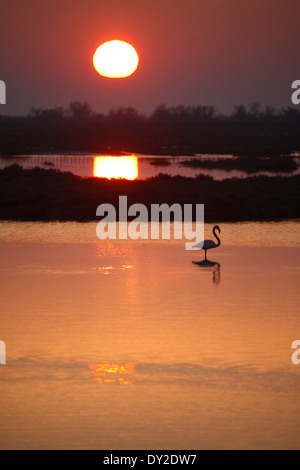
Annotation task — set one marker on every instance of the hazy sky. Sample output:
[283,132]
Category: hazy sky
[218,52]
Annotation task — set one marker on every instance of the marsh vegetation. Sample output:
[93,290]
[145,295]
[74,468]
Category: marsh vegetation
[47,194]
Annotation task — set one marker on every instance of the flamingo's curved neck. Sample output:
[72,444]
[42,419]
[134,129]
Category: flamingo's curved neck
[216,236]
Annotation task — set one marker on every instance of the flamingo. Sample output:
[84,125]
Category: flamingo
[209,244]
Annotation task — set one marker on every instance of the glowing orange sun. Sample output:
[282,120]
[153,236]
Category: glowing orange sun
[116,59]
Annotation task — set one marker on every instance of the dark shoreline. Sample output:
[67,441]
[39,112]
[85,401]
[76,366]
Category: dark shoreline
[49,195]
[247,164]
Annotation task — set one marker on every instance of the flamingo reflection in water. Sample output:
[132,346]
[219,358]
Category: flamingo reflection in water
[212,266]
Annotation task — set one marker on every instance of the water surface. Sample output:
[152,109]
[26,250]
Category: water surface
[132,166]
[129,345]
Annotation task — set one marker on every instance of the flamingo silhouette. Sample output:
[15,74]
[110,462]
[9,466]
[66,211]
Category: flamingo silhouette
[209,244]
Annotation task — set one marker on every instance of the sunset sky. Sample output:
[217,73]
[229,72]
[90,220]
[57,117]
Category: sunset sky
[213,52]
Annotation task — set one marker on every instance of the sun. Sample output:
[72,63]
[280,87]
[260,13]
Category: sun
[116,59]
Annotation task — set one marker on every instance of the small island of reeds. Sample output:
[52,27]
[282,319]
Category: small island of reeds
[47,195]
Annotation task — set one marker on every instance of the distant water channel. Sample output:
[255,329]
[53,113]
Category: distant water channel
[129,166]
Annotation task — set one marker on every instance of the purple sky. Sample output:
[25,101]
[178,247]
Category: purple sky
[216,52]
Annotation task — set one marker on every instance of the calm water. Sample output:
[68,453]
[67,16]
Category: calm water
[129,345]
[131,166]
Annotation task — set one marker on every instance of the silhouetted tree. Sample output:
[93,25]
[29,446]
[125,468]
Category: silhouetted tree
[78,110]
[205,113]
[183,113]
[291,114]
[124,115]
[160,113]
[47,114]
[254,112]
[269,113]
[239,112]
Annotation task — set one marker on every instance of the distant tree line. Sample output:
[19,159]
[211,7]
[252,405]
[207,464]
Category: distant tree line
[175,130]
[196,113]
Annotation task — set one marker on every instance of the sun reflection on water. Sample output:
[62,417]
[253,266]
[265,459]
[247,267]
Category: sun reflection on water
[116,167]
[112,373]
[110,269]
